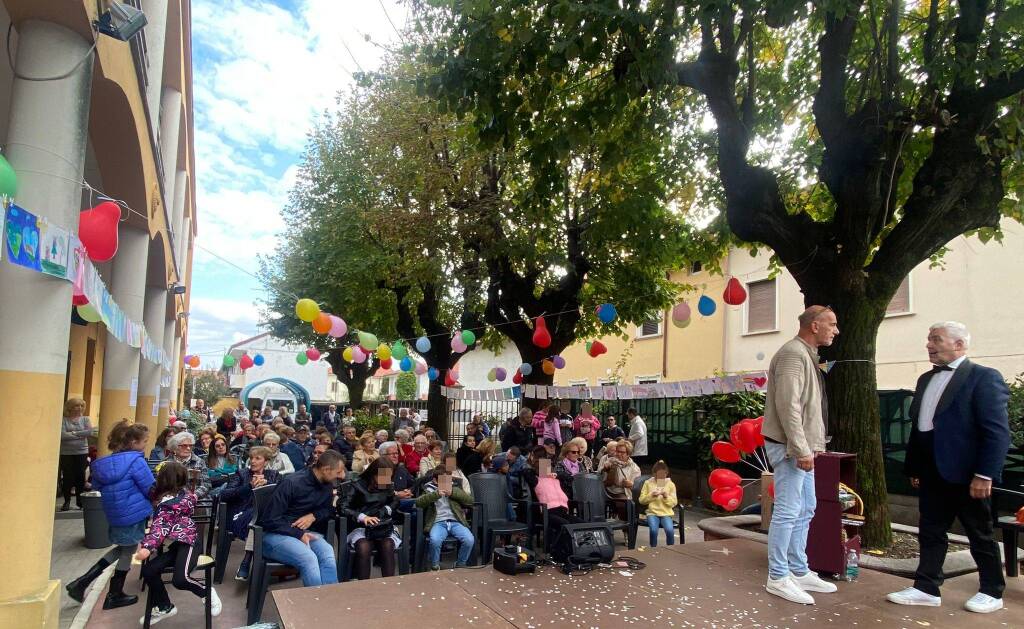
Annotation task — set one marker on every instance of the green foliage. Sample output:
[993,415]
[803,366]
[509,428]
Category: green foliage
[209,386]
[364,421]
[405,386]
[1016,411]
[720,413]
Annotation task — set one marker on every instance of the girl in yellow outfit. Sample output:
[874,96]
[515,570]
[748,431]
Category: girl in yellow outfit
[659,496]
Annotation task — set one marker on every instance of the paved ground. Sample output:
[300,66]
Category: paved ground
[69,559]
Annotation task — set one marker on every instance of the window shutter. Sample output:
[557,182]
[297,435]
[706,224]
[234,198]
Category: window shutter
[761,306]
[900,302]
[651,328]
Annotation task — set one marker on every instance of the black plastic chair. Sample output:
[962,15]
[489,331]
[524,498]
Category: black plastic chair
[344,553]
[450,544]
[261,565]
[593,505]
[204,563]
[490,502]
[638,510]
[224,540]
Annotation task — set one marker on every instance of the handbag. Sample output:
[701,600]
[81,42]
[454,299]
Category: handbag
[382,530]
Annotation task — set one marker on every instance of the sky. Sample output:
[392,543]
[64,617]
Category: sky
[263,72]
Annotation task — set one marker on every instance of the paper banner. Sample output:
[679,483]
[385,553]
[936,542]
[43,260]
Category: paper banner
[542,392]
[530,390]
[609,391]
[624,392]
[54,249]
[22,235]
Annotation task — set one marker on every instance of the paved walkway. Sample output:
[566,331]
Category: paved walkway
[69,558]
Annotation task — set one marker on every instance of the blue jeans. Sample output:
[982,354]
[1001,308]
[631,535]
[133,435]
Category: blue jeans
[315,562]
[440,532]
[794,508]
[665,522]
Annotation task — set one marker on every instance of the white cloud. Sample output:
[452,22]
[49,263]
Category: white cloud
[262,76]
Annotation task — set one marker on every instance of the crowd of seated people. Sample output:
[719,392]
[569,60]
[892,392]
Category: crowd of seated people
[392,474]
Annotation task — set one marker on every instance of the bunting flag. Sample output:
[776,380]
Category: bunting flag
[752,382]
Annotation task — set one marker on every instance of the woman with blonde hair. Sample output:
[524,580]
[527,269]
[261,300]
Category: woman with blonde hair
[619,471]
[75,430]
[366,454]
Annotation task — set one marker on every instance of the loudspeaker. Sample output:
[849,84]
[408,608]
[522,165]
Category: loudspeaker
[584,543]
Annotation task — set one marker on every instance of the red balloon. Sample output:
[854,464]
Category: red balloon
[541,336]
[747,437]
[734,435]
[313,353]
[759,423]
[722,477]
[245,362]
[518,378]
[449,381]
[597,348]
[734,294]
[385,364]
[725,452]
[729,498]
[97,229]
[79,300]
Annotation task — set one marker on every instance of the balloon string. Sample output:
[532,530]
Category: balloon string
[742,460]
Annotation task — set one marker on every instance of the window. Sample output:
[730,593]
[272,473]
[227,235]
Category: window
[649,328]
[579,383]
[761,306]
[900,302]
[603,382]
[696,268]
[648,379]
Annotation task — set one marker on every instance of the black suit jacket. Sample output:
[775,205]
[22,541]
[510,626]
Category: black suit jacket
[972,429]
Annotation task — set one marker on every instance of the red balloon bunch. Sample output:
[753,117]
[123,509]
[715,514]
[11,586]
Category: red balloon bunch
[745,438]
[245,362]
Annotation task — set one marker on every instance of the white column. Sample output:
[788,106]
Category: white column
[176,214]
[170,122]
[156,34]
[120,360]
[166,395]
[175,372]
[154,315]
[46,140]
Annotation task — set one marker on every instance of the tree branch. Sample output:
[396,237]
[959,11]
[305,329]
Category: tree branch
[830,101]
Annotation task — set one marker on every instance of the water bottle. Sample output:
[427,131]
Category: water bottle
[852,570]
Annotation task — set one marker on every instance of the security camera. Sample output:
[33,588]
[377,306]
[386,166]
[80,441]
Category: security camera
[121,22]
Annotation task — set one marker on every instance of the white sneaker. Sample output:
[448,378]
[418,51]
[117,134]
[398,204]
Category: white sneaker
[914,596]
[811,582]
[983,604]
[788,589]
[215,605]
[158,614]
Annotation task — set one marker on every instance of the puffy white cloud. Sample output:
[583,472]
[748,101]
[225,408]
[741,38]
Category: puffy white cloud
[262,75]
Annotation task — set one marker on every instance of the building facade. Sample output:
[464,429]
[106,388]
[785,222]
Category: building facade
[279,362]
[77,108]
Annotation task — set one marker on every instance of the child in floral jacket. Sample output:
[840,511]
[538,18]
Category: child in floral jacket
[172,523]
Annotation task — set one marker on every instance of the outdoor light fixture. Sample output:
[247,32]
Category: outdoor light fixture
[121,22]
[176,288]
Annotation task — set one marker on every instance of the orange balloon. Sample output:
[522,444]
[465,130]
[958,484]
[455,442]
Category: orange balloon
[322,323]
[548,367]
[193,361]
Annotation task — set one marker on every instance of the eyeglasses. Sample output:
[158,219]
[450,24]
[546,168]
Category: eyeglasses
[572,451]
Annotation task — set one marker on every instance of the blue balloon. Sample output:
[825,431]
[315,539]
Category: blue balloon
[258,360]
[526,369]
[606,313]
[432,373]
[423,345]
[706,306]
[405,364]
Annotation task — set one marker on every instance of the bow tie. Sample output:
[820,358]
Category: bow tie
[938,368]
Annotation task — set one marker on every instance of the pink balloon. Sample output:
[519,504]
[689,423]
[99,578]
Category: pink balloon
[457,345]
[358,355]
[338,327]
[420,368]
[313,353]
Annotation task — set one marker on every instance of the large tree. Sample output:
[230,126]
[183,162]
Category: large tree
[855,138]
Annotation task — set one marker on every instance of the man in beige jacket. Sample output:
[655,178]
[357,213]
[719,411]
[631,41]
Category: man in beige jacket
[795,413]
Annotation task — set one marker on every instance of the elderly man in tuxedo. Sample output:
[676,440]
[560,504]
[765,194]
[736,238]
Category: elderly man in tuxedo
[957,448]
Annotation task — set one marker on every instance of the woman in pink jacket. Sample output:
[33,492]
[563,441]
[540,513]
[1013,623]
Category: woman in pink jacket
[586,426]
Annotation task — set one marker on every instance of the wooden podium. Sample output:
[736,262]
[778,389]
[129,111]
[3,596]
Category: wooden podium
[833,531]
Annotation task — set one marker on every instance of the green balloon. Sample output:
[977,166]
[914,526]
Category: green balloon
[301,358]
[468,337]
[229,361]
[398,350]
[8,179]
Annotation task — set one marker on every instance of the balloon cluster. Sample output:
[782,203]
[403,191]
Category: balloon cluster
[745,438]
[192,361]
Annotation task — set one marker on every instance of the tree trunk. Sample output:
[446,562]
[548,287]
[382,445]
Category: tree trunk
[437,409]
[534,355]
[854,420]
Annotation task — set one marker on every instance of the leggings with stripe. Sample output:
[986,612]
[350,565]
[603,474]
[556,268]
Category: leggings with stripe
[183,557]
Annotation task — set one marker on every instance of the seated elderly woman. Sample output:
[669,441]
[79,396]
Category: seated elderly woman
[366,454]
[370,505]
[277,460]
[619,471]
[572,463]
[381,436]
[238,497]
[181,446]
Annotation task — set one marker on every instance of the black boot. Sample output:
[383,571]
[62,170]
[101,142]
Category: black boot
[116,596]
[76,589]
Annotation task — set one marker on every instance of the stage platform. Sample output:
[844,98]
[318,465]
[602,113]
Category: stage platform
[709,584]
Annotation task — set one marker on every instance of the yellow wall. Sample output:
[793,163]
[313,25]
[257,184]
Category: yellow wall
[80,335]
[692,352]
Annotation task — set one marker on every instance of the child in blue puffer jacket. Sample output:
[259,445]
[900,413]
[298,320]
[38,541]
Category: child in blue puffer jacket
[124,481]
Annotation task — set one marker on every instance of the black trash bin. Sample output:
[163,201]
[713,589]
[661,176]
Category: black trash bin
[96,533]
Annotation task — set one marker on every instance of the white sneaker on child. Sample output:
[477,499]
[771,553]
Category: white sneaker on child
[215,605]
[158,614]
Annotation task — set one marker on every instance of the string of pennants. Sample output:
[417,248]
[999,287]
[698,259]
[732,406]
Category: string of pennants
[753,382]
[36,244]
